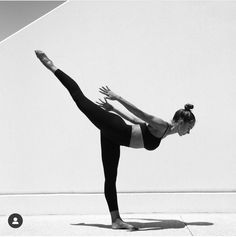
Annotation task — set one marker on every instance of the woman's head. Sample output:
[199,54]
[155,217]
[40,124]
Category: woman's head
[185,119]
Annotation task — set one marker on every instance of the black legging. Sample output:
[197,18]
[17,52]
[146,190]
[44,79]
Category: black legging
[114,132]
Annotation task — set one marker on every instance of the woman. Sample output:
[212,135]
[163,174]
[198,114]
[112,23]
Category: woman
[147,131]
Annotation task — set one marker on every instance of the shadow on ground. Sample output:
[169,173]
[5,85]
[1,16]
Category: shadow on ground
[152,224]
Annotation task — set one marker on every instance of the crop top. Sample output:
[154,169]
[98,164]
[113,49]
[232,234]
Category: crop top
[150,141]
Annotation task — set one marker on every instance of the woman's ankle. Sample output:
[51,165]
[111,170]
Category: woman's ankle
[115,215]
[53,68]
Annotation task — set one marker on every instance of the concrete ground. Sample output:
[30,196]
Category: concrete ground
[157,224]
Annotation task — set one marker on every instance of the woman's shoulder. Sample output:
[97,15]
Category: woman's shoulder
[158,123]
[160,129]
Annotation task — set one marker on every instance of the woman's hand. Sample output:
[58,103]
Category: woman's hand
[105,105]
[110,94]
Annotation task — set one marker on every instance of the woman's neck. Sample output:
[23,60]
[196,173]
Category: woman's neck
[173,128]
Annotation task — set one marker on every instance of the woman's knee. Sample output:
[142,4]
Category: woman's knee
[110,184]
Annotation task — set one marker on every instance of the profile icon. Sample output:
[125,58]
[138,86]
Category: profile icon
[15,220]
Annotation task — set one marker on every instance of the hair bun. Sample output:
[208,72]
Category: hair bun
[188,107]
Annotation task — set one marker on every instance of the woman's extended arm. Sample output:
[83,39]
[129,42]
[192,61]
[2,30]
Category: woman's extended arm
[105,105]
[132,119]
[150,119]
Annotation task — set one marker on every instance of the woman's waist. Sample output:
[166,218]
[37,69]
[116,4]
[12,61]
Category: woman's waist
[136,140]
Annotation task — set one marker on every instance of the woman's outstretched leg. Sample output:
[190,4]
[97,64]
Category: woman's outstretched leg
[110,159]
[103,120]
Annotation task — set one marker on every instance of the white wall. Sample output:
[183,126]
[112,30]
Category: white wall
[157,55]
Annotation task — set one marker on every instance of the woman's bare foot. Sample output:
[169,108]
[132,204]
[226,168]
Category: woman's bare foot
[120,224]
[45,60]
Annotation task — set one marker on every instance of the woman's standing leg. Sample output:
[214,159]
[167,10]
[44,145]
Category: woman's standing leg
[110,159]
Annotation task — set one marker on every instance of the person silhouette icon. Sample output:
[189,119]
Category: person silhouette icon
[15,221]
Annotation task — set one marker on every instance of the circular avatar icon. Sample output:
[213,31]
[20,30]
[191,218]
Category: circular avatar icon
[15,220]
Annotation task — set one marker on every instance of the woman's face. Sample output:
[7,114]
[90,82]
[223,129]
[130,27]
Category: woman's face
[184,128]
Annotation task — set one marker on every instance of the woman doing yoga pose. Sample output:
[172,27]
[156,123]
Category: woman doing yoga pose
[147,131]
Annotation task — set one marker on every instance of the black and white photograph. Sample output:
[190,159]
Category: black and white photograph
[117,118]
